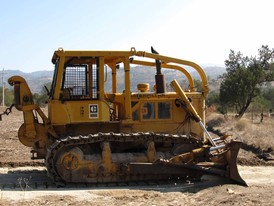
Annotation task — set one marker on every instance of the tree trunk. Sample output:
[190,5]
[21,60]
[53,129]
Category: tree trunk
[243,109]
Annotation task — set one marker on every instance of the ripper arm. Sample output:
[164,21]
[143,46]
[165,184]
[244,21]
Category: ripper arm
[31,131]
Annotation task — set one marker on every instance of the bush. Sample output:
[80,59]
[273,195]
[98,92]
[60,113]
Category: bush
[215,120]
[241,125]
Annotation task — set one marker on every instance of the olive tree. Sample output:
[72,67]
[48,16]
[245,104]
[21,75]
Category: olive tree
[243,79]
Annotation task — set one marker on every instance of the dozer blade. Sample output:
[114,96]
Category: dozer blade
[231,149]
[231,157]
[226,166]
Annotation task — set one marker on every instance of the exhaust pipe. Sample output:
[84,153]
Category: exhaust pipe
[159,77]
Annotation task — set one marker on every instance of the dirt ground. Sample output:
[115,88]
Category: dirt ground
[25,182]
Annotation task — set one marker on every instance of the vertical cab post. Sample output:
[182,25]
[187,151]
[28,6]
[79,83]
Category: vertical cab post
[128,114]
[100,67]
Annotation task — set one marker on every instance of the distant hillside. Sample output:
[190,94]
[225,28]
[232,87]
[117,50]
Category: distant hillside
[38,79]
[141,74]
[214,72]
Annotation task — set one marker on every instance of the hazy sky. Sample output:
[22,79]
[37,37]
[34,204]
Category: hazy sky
[202,31]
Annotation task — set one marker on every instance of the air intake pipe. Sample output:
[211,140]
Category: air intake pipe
[159,77]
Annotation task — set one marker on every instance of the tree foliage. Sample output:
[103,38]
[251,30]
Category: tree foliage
[41,97]
[198,85]
[267,99]
[243,79]
[213,98]
[8,96]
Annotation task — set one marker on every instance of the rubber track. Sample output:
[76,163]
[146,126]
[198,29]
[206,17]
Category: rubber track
[110,137]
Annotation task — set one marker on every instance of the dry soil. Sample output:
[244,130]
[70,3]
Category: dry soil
[25,182]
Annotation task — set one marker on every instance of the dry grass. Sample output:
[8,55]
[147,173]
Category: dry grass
[251,132]
[259,134]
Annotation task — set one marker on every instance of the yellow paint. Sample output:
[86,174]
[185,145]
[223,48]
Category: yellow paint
[124,111]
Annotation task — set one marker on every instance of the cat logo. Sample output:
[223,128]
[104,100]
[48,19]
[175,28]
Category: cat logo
[93,111]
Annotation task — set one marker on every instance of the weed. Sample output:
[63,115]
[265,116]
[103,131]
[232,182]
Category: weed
[24,183]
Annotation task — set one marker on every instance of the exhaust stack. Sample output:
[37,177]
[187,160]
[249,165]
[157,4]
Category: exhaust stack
[159,77]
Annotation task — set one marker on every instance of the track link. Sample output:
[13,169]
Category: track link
[110,137]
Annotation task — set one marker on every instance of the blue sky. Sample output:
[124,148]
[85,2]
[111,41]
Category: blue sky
[196,30]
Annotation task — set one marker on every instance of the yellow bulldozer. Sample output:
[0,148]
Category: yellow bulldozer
[92,135]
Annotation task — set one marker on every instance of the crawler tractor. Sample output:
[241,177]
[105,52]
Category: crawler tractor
[92,135]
